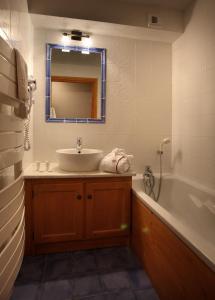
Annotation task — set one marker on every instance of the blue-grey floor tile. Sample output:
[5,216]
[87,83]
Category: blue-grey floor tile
[84,286]
[146,294]
[58,267]
[95,297]
[31,270]
[117,280]
[121,295]
[83,262]
[139,279]
[58,256]
[108,250]
[99,274]
[26,292]
[126,258]
[115,259]
[56,290]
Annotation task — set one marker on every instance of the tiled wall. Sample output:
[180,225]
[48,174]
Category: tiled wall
[194,96]
[138,101]
[16,28]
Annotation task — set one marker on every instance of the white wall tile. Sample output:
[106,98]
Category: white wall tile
[132,97]
[193,114]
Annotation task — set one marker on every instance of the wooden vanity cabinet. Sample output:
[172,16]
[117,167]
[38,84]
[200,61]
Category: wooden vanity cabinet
[67,214]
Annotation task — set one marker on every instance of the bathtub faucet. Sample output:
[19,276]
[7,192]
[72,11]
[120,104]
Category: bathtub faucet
[149,181]
[79,144]
[147,172]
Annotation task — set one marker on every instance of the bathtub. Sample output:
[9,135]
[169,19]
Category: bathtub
[188,210]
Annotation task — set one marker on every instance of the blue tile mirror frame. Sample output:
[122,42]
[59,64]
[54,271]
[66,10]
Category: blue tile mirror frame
[101,98]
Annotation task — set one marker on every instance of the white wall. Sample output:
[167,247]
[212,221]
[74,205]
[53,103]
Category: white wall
[194,96]
[138,101]
[16,28]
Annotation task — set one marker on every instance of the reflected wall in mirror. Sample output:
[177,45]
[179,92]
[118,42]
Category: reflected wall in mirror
[75,84]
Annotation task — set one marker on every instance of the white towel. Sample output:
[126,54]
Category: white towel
[22,84]
[117,161]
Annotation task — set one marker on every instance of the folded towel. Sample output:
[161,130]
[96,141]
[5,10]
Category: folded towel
[117,161]
[22,84]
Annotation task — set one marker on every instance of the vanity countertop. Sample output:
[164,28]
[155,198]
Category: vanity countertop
[56,172]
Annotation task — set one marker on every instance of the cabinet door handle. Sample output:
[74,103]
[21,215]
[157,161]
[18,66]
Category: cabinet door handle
[89,197]
[124,226]
[145,230]
[79,197]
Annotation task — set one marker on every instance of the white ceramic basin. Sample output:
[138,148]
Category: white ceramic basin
[72,161]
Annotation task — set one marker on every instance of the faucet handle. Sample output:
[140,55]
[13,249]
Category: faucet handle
[79,144]
[79,141]
[147,168]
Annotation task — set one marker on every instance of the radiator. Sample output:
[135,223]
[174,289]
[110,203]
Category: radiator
[12,234]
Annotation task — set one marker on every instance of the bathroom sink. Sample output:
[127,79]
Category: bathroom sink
[72,161]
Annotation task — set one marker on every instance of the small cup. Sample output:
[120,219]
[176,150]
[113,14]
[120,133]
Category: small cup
[37,166]
[47,164]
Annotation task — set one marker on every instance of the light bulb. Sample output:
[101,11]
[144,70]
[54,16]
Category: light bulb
[65,39]
[87,42]
[85,51]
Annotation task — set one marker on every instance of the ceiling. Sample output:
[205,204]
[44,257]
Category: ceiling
[124,12]
[174,4]
[38,6]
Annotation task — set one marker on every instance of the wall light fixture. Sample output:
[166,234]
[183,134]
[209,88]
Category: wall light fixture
[76,35]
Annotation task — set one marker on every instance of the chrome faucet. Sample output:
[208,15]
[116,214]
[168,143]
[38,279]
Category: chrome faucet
[79,144]
[149,181]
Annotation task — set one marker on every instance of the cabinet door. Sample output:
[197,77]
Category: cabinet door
[108,209]
[58,211]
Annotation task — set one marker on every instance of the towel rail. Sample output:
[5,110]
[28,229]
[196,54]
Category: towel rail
[9,263]
[10,122]
[7,231]
[8,87]
[11,140]
[7,289]
[9,99]
[7,211]
[7,52]
[10,191]
[10,157]
[11,154]
[9,249]
[10,271]
[7,69]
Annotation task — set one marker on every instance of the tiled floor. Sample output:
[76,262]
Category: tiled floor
[105,274]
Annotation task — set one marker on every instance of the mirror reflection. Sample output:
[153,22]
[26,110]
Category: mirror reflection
[76,84]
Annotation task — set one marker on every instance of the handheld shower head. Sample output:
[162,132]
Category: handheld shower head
[164,141]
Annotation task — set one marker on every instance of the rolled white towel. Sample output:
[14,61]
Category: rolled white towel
[124,164]
[116,161]
[108,166]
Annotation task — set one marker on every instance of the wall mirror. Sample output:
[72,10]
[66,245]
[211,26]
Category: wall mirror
[75,84]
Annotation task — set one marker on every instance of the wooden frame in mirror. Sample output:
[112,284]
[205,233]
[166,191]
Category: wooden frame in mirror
[75,84]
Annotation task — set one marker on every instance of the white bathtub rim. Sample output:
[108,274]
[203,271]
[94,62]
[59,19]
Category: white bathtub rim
[186,180]
[202,248]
